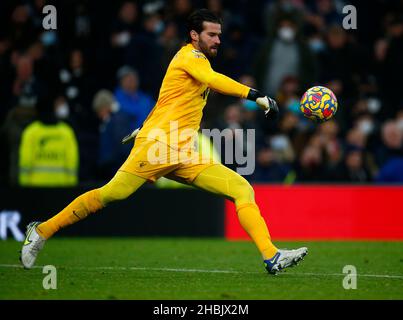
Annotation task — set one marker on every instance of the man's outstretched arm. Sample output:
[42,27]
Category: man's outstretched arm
[200,69]
[225,85]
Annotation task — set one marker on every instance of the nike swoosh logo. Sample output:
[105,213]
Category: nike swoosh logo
[274,259]
[27,241]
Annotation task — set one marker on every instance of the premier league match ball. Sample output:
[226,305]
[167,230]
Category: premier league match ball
[318,104]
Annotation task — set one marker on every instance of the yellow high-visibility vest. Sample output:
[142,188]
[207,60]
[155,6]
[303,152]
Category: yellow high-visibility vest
[48,155]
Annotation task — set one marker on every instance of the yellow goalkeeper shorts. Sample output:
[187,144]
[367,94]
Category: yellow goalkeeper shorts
[152,159]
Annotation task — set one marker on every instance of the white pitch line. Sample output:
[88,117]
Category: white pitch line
[189,270]
[211,271]
[358,275]
[133,268]
[18,266]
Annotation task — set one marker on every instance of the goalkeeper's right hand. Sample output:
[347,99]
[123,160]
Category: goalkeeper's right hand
[266,103]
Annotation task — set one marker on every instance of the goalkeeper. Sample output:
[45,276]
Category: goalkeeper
[179,108]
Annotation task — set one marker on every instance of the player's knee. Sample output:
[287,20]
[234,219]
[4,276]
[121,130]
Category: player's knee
[119,194]
[114,192]
[120,187]
[243,192]
[249,194]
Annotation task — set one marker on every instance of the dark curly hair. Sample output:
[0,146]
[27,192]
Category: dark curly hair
[196,19]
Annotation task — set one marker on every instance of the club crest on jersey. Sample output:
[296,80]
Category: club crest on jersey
[198,54]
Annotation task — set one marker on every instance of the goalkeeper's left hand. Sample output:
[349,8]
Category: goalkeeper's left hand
[266,103]
[131,136]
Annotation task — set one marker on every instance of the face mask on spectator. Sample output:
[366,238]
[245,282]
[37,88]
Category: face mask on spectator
[48,38]
[62,111]
[366,127]
[115,107]
[286,34]
[279,142]
[293,106]
[123,39]
[374,105]
[287,6]
[72,92]
[159,27]
[317,45]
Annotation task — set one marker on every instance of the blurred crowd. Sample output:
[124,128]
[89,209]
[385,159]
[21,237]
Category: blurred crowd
[102,68]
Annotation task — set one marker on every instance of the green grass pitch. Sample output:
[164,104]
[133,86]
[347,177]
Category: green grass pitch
[177,268]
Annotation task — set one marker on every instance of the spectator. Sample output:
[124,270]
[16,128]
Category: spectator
[16,121]
[114,125]
[284,55]
[217,7]
[290,125]
[44,64]
[282,148]
[399,119]
[329,133]
[21,29]
[251,113]
[48,154]
[179,12]
[356,138]
[26,86]
[268,168]
[132,101]
[170,42]
[288,94]
[316,42]
[125,25]
[390,155]
[353,168]
[280,9]
[6,73]
[236,50]
[343,61]
[234,139]
[309,167]
[391,67]
[77,87]
[323,13]
[82,24]
[144,53]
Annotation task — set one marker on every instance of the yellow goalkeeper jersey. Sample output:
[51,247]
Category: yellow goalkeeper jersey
[182,97]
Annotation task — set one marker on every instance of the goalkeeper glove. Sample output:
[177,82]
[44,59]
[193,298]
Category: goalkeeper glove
[130,136]
[266,103]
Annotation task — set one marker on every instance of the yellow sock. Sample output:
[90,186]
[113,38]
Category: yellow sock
[77,210]
[122,185]
[251,220]
[223,181]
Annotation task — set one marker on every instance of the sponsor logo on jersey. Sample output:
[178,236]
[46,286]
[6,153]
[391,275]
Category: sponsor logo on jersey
[198,54]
